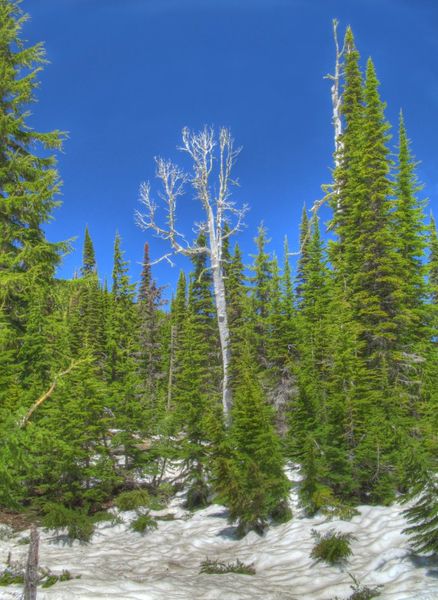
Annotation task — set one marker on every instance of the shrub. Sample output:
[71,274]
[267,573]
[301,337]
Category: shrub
[165,492]
[144,523]
[50,578]
[106,517]
[197,494]
[78,523]
[333,547]
[215,567]
[132,500]
[362,592]
[8,577]
[282,513]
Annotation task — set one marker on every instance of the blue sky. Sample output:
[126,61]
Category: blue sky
[126,75]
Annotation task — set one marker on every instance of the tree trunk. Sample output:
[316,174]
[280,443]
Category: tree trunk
[224,333]
[31,577]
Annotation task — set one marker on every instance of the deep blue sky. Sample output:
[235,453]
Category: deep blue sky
[126,75]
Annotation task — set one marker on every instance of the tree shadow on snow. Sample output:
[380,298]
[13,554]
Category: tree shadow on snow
[425,562]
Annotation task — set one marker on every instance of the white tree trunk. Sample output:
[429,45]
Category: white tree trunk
[224,334]
[217,207]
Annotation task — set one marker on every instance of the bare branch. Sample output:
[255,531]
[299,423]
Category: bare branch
[50,391]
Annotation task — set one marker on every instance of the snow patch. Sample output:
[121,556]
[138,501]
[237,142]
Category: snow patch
[164,564]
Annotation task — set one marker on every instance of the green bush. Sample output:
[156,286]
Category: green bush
[50,578]
[282,513]
[197,494]
[132,500]
[144,523]
[78,523]
[165,492]
[214,567]
[10,578]
[333,547]
[104,516]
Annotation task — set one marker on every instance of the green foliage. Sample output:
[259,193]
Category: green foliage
[362,592]
[198,492]
[132,500]
[332,547]
[422,515]
[348,364]
[144,523]
[51,579]
[249,476]
[10,578]
[215,567]
[78,523]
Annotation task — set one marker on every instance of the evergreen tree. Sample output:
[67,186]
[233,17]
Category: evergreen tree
[122,373]
[433,262]
[87,309]
[88,256]
[304,242]
[148,305]
[248,473]
[29,182]
[260,295]
[346,174]
[308,415]
[196,392]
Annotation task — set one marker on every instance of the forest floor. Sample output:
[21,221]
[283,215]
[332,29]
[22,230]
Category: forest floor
[164,564]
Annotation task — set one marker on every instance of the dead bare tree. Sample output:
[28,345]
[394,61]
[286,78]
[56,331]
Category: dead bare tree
[211,179]
[31,575]
[336,95]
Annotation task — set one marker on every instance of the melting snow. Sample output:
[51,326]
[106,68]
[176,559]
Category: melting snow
[164,564]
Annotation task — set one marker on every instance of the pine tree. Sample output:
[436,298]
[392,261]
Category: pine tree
[248,473]
[29,182]
[309,410]
[88,256]
[346,174]
[87,310]
[122,373]
[260,295]
[376,283]
[433,262]
[149,333]
[304,242]
[411,317]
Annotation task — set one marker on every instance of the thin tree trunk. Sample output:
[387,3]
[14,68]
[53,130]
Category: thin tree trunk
[31,577]
[224,336]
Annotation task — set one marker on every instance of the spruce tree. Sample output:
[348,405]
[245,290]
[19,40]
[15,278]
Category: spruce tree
[344,197]
[29,182]
[122,373]
[248,472]
[260,295]
[88,255]
[308,412]
[304,242]
[149,332]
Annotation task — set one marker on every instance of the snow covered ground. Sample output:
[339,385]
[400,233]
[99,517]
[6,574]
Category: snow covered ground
[164,564]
